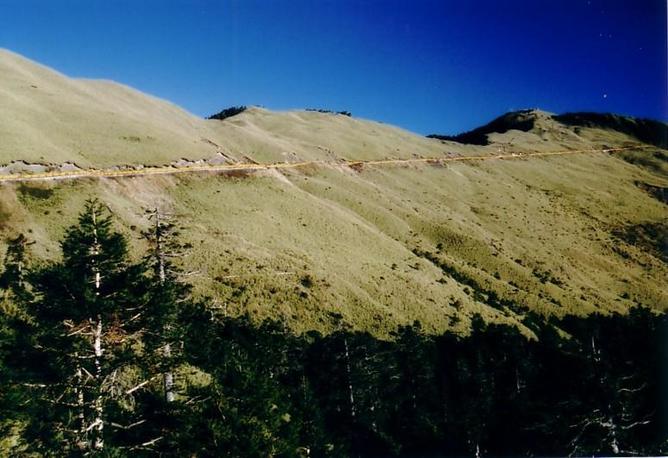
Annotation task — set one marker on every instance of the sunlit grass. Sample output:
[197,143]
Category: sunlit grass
[538,233]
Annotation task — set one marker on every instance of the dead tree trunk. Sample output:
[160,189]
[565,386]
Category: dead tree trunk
[168,376]
[81,438]
[98,403]
[351,394]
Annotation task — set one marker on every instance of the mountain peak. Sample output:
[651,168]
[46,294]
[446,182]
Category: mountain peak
[550,126]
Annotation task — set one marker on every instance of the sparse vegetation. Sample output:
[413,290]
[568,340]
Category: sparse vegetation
[35,192]
[649,237]
[320,110]
[131,138]
[660,193]
[307,281]
[228,112]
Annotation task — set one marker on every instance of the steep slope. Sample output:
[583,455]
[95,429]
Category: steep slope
[522,121]
[46,117]
[644,130]
[380,245]
[566,129]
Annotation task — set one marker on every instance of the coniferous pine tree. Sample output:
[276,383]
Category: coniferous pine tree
[168,292]
[13,293]
[13,278]
[162,322]
[84,313]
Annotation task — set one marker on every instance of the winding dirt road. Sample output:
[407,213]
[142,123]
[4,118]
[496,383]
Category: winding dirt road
[172,170]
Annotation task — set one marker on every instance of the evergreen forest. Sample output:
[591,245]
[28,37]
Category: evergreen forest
[102,354]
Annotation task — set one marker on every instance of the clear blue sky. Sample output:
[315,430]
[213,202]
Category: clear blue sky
[429,66]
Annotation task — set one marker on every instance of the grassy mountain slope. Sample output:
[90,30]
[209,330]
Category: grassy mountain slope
[565,128]
[645,130]
[523,121]
[381,245]
[46,117]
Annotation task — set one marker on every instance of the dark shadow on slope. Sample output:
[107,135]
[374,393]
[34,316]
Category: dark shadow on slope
[649,237]
[4,216]
[523,120]
[658,192]
[349,394]
[645,130]
[653,161]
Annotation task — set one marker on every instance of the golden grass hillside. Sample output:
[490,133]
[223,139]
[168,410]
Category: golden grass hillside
[380,245]
[49,118]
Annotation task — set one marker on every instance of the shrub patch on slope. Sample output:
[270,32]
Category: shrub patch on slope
[658,192]
[35,192]
[650,237]
[228,112]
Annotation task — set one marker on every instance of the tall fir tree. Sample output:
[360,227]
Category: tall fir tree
[13,287]
[162,327]
[84,315]
[14,294]
[162,322]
